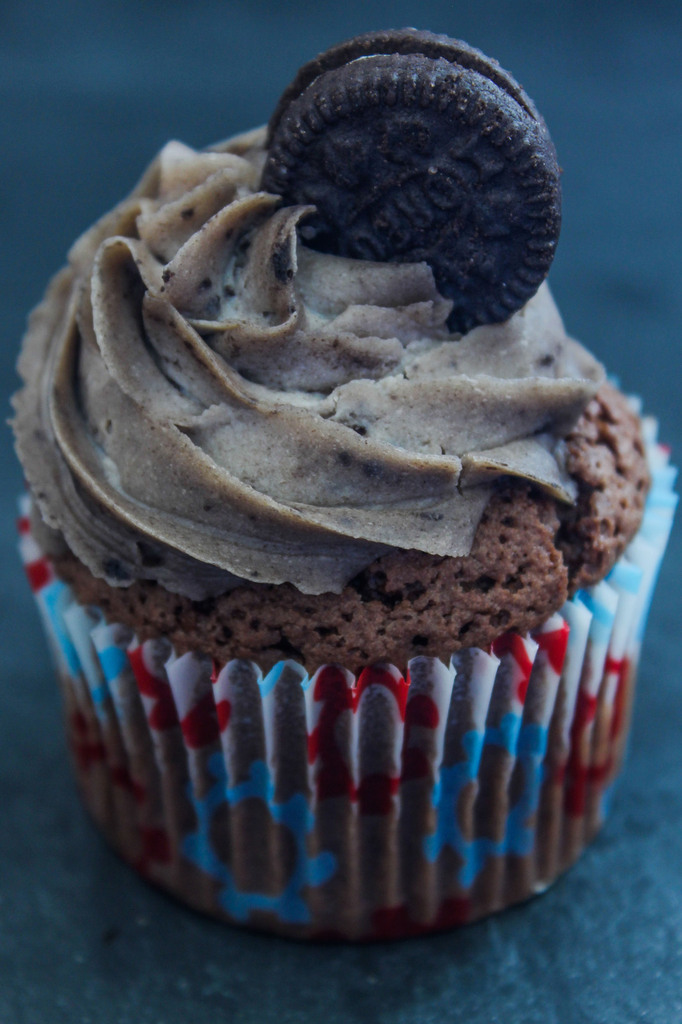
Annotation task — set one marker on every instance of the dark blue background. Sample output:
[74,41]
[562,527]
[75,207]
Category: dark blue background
[89,91]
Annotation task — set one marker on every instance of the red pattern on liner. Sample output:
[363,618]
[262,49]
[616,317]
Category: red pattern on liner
[120,776]
[597,774]
[618,720]
[421,711]
[156,849]
[376,792]
[576,770]
[224,712]
[85,751]
[333,776]
[39,574]
[380,675]
[163,715]
[200,725]
[23,526]
[393,922]
[614,665]
[512,643]
[554,645]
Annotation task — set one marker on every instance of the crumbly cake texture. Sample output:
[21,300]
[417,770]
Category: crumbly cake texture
[529,555]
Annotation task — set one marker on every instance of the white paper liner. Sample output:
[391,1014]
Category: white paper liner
[369,807]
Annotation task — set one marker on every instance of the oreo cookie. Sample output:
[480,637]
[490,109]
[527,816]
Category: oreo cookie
[424,150]
[400,41]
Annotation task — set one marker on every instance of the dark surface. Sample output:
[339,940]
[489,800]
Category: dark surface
[89,92]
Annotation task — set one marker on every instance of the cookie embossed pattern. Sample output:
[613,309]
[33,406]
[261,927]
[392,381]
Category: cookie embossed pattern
[343,548]
[414,147]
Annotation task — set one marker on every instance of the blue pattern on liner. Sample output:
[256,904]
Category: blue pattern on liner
[506,734]
[55,597]
[80,622]
[294,814]
[529,744]
[602,616]
[626,576]
[268,684]
[114,661]
[530,753]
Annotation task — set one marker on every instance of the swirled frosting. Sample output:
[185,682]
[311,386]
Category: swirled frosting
[208,401]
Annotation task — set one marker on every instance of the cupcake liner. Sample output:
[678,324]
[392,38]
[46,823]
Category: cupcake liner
[335,806]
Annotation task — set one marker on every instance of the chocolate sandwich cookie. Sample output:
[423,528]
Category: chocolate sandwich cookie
[428,152]
[400,41]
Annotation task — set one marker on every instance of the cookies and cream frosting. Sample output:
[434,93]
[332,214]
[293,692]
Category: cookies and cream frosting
[208,401]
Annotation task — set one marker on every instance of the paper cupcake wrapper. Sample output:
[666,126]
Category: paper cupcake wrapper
[376,806]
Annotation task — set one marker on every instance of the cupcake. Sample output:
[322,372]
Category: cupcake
[344,548]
